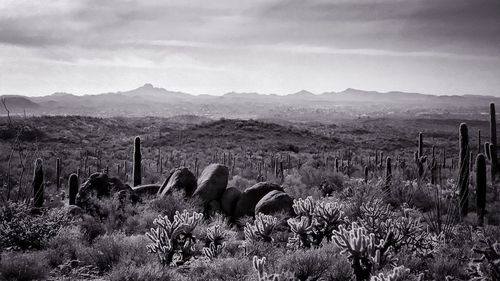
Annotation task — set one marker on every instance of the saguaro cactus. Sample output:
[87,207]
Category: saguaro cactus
[420,159]
[58,173]
[137,162]
[420,145]
[388,173]
[463,181]
[493,139]
[73,188]
[37,184]
[479,141]
[480,187]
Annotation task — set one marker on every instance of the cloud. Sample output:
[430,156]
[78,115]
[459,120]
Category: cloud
[239,38]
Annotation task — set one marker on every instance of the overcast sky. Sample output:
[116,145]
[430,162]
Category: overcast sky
[267,46]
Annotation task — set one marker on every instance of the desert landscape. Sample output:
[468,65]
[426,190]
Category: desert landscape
[249,140]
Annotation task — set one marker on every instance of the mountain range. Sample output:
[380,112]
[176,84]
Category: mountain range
[148,100]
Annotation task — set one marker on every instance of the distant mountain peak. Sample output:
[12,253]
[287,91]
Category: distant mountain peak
[303,93]
[147,86]
[61,94]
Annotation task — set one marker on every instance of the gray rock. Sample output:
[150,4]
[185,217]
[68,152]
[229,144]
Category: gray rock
[275,202]
[180,179]
[212,183]
[229,199]
[251,196]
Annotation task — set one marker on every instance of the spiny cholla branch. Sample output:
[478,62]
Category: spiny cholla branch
[174,240]
[262,228]
[216,244]
[315,221]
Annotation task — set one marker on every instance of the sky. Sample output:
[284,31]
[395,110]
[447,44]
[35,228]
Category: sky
[265,46]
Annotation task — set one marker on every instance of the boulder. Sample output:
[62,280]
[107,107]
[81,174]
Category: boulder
[146,189]
[212,183]
[229,199]
[98,185]
[275,202]
[251,196]
[180,179]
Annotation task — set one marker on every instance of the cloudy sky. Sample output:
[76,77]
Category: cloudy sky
[267,46]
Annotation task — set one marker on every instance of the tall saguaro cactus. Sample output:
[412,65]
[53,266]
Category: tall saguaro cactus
[463,181]
[137,162]
[58,173]
[37,184]
[493,140]
[388,173]
[480,187]
[420,159]
[420,145]
[73,188]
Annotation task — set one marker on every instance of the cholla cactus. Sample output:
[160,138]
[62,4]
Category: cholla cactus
[363,250]
[258,265]
[328,216]
[173,241]
[396,274]
[406,232]
[302,229]
[304,207]
[487,266]
[261,229]
[215,237]
[213,250]
[374,214]
[315,221]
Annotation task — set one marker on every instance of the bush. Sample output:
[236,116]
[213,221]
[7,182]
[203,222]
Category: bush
[23,266]
[112,249]
[21,229]
[240,182]
[230,269]
[168,205]
[144,272]
[296,188]
[64,246]
[324,263]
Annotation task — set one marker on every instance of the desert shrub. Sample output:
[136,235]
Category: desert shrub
[23,266]
[294,187]
[141,222]
[230,269]
[111,249]
[170,204]
[21,229]
[240,182]
[325,263]
[143,272]
[91,228]
[316,177]
[64,246]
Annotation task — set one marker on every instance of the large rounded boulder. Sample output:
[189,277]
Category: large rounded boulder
[99,185]
[146,189]
[251,196]
[179,179]
[275,202]
[212,183]
[229,199]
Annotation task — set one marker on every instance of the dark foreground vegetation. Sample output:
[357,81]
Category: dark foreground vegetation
[192,199]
